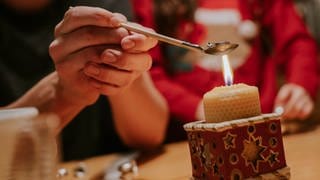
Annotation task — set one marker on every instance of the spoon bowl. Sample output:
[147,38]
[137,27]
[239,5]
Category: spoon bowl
[220,47]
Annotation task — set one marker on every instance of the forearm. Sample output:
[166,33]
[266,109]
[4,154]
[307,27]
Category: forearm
[47,96]
[138,111]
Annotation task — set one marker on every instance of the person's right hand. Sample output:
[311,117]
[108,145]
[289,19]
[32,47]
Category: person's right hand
[94,56]
[295,101]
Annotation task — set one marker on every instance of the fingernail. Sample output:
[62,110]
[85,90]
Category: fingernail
[108,56]
[93,70]
[128,44]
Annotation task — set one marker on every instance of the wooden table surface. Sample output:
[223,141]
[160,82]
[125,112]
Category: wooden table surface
[173,161]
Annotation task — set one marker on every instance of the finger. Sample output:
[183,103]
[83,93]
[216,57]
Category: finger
[283,96]
[306,109]
[105,88]
[297,109]
[78,60]
[80,16]
[293,99]
[127,61]
[84,37]
[109,75]
[138,43]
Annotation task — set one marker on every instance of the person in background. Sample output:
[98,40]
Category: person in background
[272,37]
[94,76]
[308,10]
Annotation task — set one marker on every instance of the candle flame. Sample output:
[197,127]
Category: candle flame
[227,71]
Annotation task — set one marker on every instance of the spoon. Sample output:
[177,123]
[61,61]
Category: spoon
[213,48]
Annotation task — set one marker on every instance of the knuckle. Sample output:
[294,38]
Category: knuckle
[72,14]
[100,15]
[96,15]
[57,29]
[53,49]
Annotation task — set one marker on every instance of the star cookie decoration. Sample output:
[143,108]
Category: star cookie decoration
[229,140]
[273,158]
[252,152]
[216,168]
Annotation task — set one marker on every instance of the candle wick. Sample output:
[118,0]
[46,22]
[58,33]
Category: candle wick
[228,82]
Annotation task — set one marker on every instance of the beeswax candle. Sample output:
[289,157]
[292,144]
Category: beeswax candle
[227,103]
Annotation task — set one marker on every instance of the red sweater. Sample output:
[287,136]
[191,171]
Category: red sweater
[293,49]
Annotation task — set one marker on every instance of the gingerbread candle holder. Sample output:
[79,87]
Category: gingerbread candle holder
[238,149]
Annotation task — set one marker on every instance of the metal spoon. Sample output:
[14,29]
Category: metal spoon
[213,48]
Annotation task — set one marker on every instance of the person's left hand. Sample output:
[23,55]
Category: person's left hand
[295,101]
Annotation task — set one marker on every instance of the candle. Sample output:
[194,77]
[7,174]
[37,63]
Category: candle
[231,102]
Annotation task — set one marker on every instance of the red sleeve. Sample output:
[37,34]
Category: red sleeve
[182,103]
[293,43]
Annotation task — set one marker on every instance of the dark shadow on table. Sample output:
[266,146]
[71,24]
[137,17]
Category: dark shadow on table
[150,155]
[301,126]
[175,131]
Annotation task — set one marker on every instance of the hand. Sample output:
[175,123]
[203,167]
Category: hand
[94,56]
[296,102]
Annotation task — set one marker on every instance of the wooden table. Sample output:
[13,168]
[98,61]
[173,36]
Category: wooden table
[173,161]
